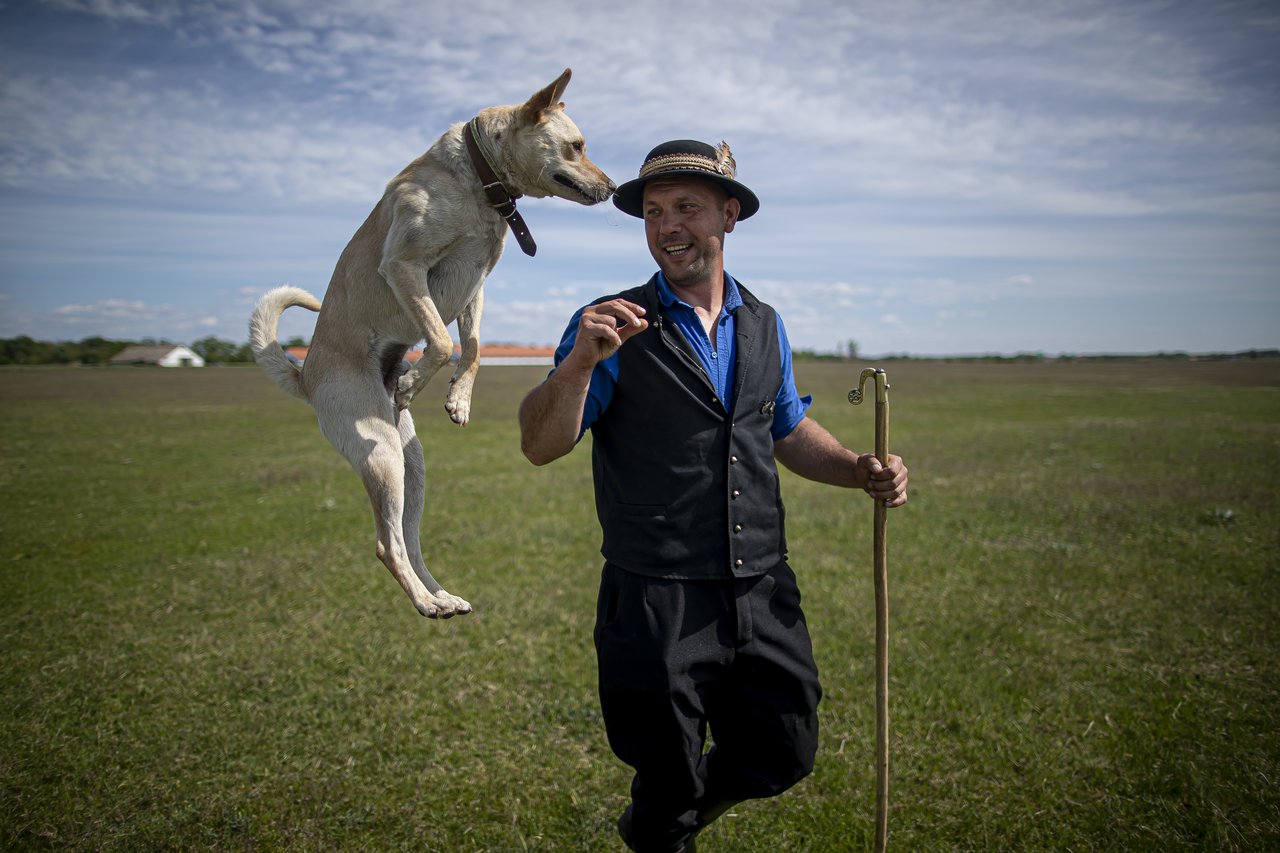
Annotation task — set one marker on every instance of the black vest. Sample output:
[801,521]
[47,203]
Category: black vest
[685,489]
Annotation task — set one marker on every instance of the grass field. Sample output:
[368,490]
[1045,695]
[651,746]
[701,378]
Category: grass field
[202,652]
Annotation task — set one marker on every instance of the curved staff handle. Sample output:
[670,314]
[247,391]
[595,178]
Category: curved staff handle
[881,573]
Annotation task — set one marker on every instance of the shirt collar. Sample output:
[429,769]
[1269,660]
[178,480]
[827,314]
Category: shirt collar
[732,299]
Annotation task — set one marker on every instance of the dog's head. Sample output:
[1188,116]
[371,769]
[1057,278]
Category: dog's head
[542,151]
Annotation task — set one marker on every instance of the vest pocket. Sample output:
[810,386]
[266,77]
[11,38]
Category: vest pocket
[656,512]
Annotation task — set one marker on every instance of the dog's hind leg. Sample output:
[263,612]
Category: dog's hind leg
[415,490]
[359,419]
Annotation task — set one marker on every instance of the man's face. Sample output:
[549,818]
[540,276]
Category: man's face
[685,220]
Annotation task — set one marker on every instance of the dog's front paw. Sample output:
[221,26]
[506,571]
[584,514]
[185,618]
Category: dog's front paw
[442,605]
[406,390]
[459,410]
[458,402]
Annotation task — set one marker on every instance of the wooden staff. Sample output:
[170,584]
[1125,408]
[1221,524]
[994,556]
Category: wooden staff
[880,546]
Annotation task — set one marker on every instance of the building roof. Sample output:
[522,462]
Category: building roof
[139,354]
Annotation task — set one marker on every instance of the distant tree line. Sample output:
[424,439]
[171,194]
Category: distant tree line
[214,350]
[99,350]
[851,354]
[95,350]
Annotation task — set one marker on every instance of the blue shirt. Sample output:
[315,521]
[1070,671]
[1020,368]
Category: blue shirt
[719,361]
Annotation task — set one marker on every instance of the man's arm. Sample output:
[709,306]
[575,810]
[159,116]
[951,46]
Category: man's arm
[551,414]
[815,454]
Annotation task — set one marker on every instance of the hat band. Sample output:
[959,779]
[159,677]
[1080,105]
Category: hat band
[684,161]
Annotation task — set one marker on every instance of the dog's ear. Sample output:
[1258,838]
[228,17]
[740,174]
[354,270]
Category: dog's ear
[547,99]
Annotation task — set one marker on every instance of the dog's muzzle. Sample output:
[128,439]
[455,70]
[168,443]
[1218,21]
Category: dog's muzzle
[594,196]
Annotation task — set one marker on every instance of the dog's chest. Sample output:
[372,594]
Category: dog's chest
[456,278]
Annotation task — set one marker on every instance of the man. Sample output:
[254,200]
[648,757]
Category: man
[686,385]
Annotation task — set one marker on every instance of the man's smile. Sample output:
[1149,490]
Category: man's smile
[677,248]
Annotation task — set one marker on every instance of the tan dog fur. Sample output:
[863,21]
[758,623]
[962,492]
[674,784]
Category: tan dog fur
[417,264]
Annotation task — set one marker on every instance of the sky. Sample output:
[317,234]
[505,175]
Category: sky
[937,177]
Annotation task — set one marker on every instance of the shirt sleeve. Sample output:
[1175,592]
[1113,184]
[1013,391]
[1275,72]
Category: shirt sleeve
[789,407]
[603,378]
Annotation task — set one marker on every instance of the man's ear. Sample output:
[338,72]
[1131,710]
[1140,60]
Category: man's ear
[548,98]
[732,207]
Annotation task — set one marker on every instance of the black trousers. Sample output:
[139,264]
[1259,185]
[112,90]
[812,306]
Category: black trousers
[678,658]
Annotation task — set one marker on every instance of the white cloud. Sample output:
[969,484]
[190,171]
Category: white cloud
[134,319]
[126,318]
[123,10]
[136,137]
[997,112]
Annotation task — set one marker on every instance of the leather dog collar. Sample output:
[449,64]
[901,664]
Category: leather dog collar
[500,199]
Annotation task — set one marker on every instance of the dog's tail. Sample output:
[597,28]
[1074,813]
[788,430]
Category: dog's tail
[262,337]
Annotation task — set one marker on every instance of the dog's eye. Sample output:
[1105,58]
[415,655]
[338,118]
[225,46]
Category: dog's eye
[578,147]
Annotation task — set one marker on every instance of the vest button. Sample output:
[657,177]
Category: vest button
[737,528]
[738,562]
[733,460]
[736,493]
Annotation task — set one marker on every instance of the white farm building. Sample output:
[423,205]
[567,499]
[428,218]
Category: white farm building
[166,355]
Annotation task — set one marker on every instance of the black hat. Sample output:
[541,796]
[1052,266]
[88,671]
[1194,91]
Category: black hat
[686,157]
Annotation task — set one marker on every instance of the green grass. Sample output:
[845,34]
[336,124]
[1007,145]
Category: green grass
[202,652]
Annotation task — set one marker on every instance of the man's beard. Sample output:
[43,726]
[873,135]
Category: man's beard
[696,273]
